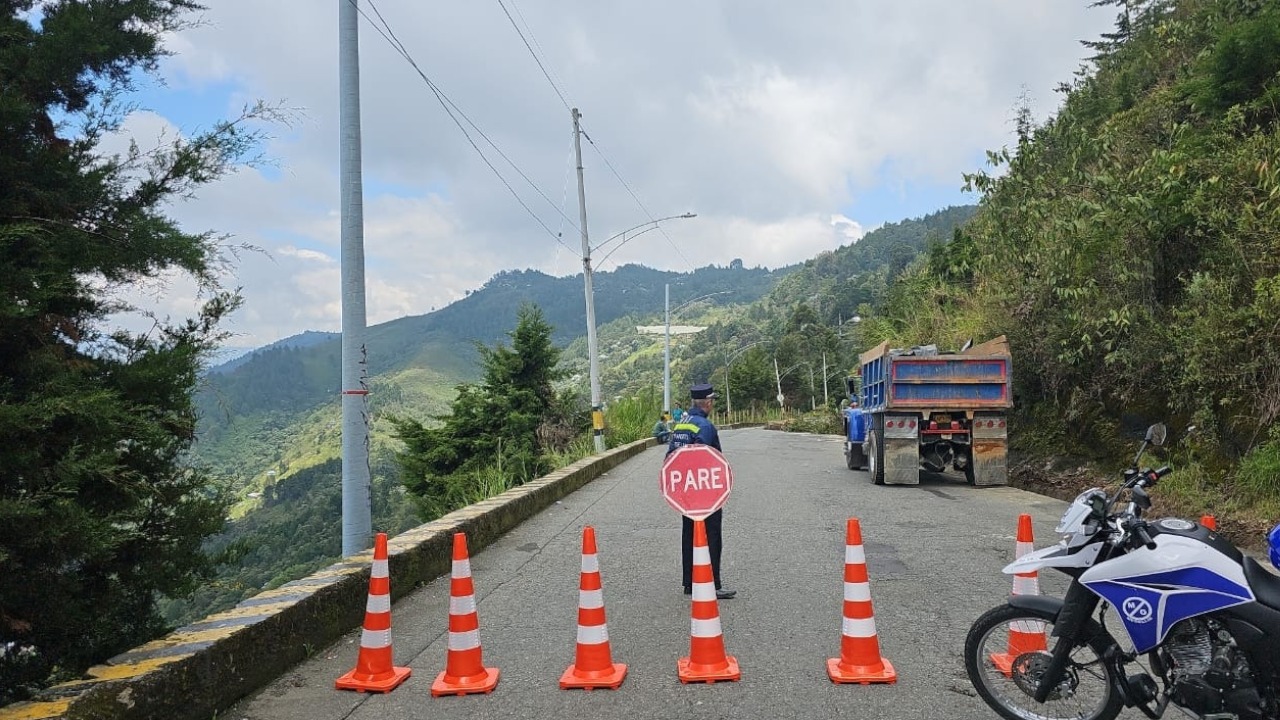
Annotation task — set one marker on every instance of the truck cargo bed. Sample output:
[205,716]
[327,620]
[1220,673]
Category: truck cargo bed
[977,379]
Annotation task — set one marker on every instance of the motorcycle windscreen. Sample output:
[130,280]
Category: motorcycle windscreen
[1077,513]
[1153,590]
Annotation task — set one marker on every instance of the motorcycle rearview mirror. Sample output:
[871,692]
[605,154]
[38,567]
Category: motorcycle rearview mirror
[1157,434]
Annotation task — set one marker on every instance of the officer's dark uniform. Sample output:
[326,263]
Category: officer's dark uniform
[694,428]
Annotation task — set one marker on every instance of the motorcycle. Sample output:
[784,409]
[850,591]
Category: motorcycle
[1205,616]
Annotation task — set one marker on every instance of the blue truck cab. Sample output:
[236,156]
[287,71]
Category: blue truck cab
[854,421]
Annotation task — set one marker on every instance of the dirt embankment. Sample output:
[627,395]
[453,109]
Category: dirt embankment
[1065,478]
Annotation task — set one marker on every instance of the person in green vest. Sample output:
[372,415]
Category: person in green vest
[662,428]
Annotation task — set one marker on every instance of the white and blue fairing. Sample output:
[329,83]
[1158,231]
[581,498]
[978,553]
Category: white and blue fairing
[1153,590]
[1273,540]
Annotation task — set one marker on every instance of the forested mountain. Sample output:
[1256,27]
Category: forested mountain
[270,422]
[283,438]
[837,282]
[261,394]
[301,340]
[803,322]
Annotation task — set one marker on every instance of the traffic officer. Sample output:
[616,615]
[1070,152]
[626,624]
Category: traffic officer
[693,428]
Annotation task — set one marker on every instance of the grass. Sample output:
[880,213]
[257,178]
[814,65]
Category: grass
[823,421]
[1193,489]
[582,447]
[1244,503]
[632,418]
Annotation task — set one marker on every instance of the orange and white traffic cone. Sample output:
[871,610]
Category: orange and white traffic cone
[374,671]
[707,661]
[860,660]
[1024,635]
[593,666]
[464,671]
[1209,521]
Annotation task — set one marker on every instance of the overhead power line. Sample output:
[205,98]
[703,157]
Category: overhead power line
[635,197]
[554,86]
[536,59]
[450,109]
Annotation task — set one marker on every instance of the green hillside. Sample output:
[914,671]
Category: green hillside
[248,408]
[802,321]
[1130,249]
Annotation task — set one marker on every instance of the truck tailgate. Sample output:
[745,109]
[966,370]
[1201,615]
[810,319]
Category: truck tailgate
[949,381]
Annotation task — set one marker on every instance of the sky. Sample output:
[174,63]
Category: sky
[788,128]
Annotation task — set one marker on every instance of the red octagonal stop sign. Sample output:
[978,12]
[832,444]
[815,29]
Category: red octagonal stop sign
[696,480]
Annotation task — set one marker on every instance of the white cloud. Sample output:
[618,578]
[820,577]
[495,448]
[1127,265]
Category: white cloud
[311,255]
[193,64]
[769,120]
[848,228]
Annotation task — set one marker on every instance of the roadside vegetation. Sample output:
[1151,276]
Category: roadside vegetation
[100,510]
[1129,247]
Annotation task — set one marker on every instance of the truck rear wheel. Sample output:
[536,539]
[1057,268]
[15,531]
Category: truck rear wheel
[875,457]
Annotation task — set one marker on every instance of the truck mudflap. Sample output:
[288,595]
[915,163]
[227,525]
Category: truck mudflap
[902,450]
[990,449]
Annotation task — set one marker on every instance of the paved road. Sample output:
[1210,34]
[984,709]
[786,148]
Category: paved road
[934,555]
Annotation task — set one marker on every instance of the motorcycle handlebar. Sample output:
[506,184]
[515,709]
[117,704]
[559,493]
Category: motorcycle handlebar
[1139,530]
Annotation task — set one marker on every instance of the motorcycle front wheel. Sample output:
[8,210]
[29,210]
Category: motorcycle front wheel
[1009,648]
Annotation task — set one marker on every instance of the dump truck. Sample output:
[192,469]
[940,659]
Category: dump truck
[918,409]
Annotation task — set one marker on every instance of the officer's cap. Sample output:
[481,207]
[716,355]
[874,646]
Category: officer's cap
[702,391]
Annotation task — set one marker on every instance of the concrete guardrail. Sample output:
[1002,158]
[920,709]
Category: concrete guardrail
[202,668]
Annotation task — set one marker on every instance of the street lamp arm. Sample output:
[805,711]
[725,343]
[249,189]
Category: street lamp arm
[611,238]
[624,242]
[687,303]
[743,349]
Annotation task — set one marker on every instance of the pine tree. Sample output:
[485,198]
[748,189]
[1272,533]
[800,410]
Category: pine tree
[1133,15]
[99,512]
[492,425]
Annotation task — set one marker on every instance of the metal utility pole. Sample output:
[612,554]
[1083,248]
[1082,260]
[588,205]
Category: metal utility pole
[666,357]
[357,533]
[597,411]
[778,376]
[826,397]
[813,390]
